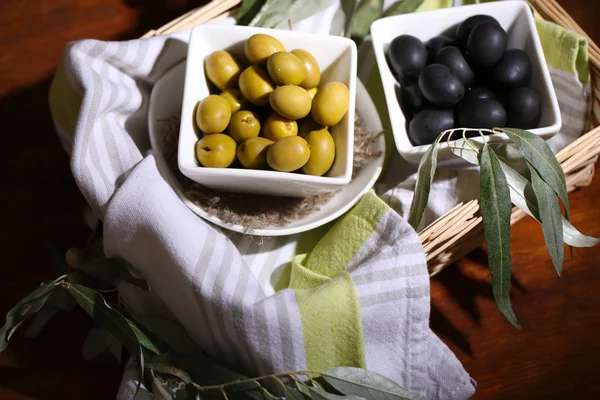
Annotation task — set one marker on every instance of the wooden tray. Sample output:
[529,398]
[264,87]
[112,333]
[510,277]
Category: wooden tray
[460,230]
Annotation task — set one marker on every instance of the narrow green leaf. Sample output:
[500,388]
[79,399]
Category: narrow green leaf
[318,393]
[112,320]
[467,149]
[111,271]
[402,7]
[59,300]
[159,387]
[342,19]
[279,14]
[495,211]
[522,196]
[169,369]
[27,307]
[537,152]
[366,12]
[248,11]
[367,384]
[294,394]
[425,176]
[549,211]
[101,347]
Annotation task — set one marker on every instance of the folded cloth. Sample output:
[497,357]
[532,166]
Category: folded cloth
[360,297]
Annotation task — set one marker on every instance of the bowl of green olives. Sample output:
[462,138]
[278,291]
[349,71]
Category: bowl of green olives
[478,67]
[268,111]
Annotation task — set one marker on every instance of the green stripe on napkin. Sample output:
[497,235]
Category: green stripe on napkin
[564,49]
[326,295]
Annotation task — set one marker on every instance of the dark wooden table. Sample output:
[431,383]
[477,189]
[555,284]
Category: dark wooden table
[556,355]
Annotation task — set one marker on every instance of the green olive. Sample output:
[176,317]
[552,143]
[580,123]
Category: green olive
[213,114]
[288,154]
[216,151]
[307,125]
[244,124]
[322,152]
[286,69]
[291,102]
[252,152]
[313,72]
[222,69]
[235,99]
[259,47]
[312,92]
[276,127]
[255,85]
[330,103]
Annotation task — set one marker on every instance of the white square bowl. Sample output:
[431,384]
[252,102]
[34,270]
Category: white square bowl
[336,57]
[514,16]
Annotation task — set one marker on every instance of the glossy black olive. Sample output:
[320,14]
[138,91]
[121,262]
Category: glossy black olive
[440,85]
[434,45]
[428,124]
[485,113]
[477,93]
[524,108]
[513,70]
[463,30]
[486,44]
[452,58]
[410,98]
[407,55]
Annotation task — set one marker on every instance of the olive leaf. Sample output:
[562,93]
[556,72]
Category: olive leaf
[537,152]
[59,299]
[101,347]
[111,271]
[294,394]
[366,12]
[549,211]
[342,19]
[522,196]
[318,393]
[248,11]
[358,382]
[495,211]
[402,7]
[27,307]
[278,14]
[425,175]
[112,320]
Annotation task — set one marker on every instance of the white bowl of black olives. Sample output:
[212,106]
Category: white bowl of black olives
[479,66]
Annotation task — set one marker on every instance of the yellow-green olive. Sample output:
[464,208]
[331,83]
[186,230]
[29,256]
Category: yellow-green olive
[306,125]
[330,103]
[235,99]
[276,127]
[322,152]
[216,151]
[255,85]
[312,92]
[213,114]
[222,69]
[259,47]
[313,72]
[252,152]
[288,154]
[286,69]
[291,102]
[244,124]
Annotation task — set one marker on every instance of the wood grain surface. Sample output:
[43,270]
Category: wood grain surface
[556,354]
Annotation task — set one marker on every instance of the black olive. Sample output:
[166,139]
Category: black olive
[477,93]
[463,30]
[513,70]
[484,113]
[410,97]
[434,45]
[486,44]
[407,55]
[426,126]
[452,58]
[524,108]
[440,85]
